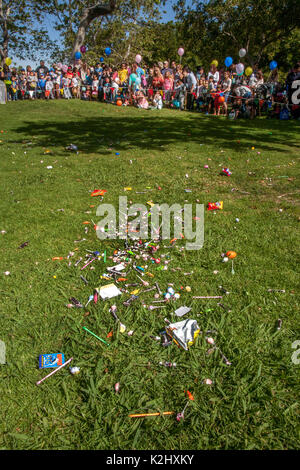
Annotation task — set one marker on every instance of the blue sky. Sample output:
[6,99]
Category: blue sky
[167,16]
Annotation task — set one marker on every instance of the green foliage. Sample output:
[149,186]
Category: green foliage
[218,28]
[122,31]
[22,32]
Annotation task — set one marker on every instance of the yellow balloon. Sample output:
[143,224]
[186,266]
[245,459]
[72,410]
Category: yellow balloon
[215,62]
[8,61]
[248,71]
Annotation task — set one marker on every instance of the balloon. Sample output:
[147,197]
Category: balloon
[133,77]
[77,55]
[231,254]
[8,61]
[119,102]
[107,51]
[138,58]
[228,61]
[239,69]
[101,59]
[221,99]
[242,52]
[180,51]
[83,49]
[273,65]
[215,62]
[248,71]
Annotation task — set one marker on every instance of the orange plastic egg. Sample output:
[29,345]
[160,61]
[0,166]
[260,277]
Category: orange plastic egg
[231,254]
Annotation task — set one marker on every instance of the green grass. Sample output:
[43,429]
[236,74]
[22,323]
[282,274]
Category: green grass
[252,404]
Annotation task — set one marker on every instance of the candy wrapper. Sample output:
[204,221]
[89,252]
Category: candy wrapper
[183,333]
[47,361]
[108,292]
[98,192]
[213,206]
[226,172]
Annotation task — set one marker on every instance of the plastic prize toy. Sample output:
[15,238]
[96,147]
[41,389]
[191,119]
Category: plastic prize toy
[226,172]
[212,206]
[231,255]
[146,415]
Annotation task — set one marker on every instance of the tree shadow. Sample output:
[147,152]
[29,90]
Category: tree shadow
[155,130]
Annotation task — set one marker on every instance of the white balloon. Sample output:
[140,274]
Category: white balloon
[242,52]
[239,68]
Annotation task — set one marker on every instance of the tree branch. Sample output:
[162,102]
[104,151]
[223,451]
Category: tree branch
[88,15]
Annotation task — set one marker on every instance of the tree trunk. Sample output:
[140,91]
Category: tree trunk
[88,15]
[4,26]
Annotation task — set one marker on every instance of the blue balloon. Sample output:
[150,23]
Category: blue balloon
[77,55]
[108,51]
[101,59]
[228,61]
[273,65]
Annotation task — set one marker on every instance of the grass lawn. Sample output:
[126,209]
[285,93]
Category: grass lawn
[252,404]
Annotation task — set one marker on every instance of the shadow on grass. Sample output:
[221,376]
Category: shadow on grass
[153,130]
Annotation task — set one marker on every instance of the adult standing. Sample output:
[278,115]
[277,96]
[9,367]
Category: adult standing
[42,69]
[166,68]
[191,83]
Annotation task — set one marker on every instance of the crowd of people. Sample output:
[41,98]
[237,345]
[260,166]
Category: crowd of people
[217,92]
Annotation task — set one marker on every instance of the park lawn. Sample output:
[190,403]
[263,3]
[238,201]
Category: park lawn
[252,404]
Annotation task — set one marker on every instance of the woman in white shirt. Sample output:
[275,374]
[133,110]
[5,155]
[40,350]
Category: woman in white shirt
[213,73]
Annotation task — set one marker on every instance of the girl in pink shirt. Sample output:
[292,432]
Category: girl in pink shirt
[168,86]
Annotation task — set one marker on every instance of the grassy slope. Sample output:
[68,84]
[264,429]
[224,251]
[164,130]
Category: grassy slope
[252,404]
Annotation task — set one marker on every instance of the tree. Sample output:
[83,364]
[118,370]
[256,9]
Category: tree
[82,22]
[222,27]
[20,30]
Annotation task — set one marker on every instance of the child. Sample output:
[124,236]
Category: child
[217,101]
[157,100]
[41,86]
[115,87]
[31,84]
[22,84]
[66,87]
[75,87]
[168,86]
[141,100]
[211,89]
[199,94]
[49,89]
[95,87]
[106,89]
[57,91]
[180,93]
[14,88]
